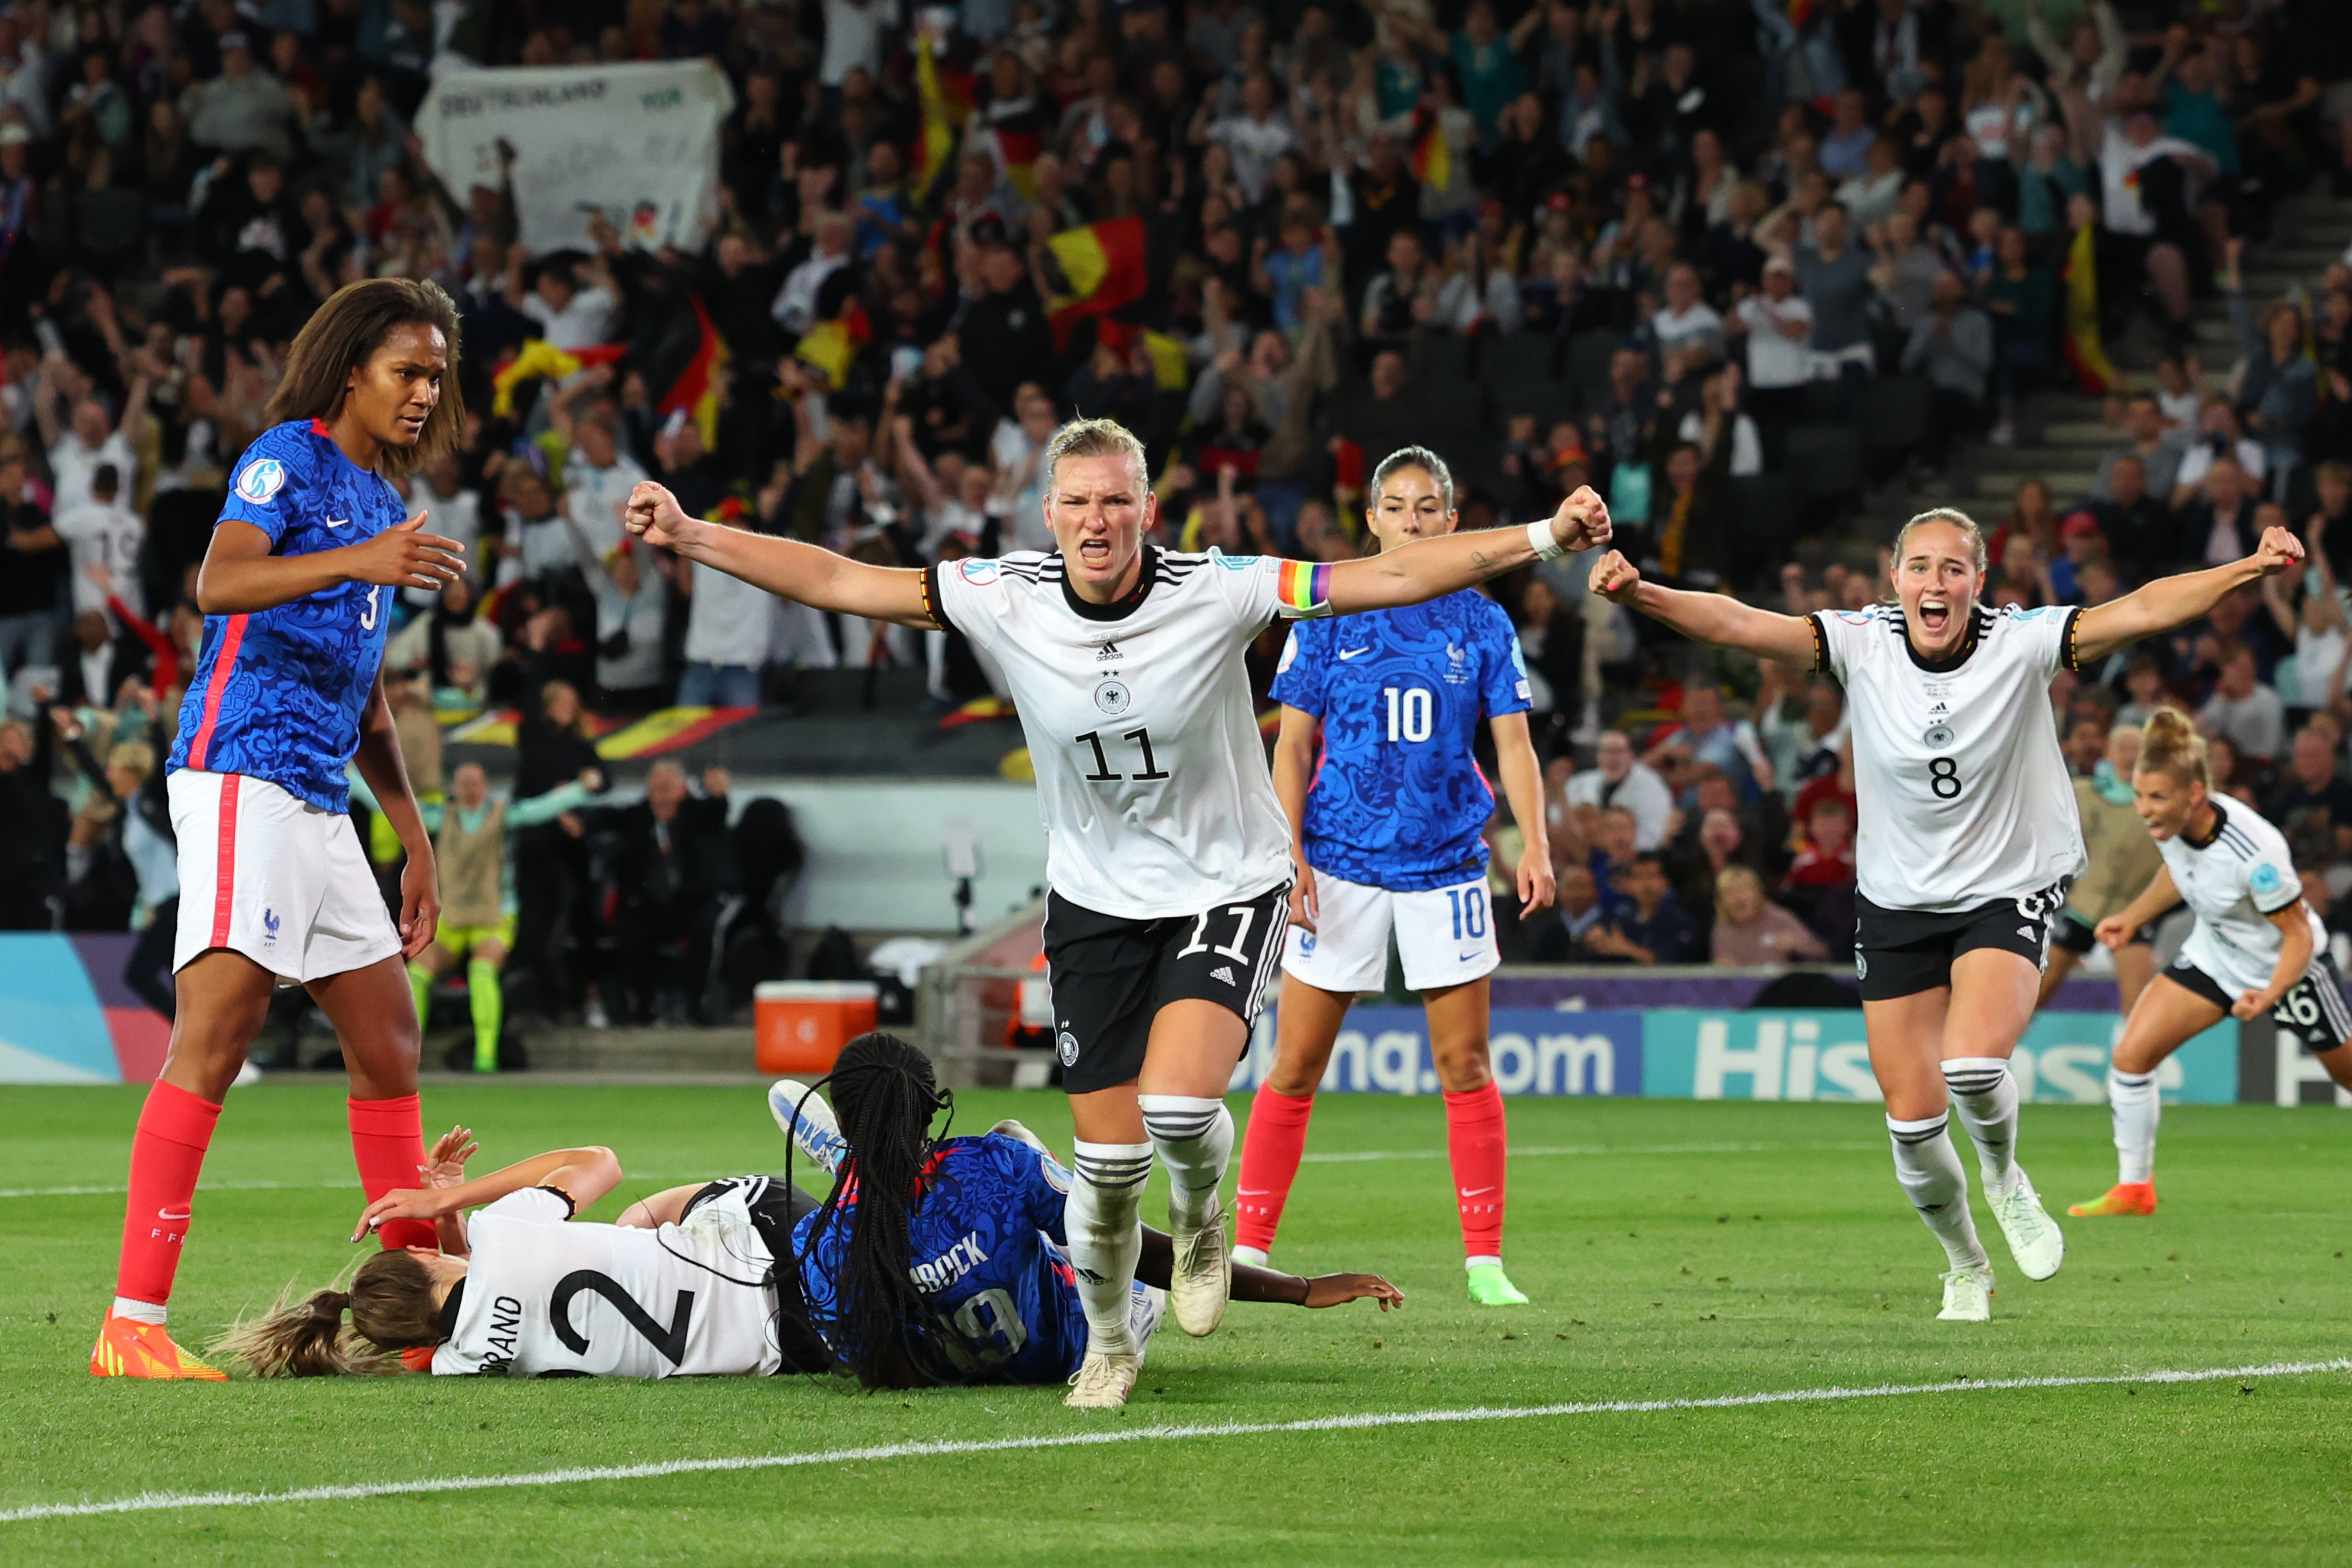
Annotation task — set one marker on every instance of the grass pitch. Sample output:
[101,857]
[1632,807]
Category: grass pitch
[1674,1250]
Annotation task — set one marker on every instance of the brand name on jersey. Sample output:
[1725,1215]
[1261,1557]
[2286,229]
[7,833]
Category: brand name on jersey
[950,1266]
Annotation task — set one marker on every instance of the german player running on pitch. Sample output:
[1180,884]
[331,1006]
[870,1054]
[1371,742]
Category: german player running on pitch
[1968,836]
[1168,858]
[2257,947]
[1376,770]
[297,588]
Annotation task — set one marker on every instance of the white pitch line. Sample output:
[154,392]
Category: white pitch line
[1354,1157]
[151,1502]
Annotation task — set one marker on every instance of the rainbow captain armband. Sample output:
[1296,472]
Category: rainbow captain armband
[1302,588]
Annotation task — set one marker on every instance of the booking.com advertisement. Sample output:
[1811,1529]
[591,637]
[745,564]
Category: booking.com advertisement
[1677,1054]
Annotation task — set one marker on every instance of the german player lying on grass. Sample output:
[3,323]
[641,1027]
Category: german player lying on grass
[969,1282]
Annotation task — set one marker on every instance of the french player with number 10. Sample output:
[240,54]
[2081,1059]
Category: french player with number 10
[287,694]
[1967,839]
[1168,854]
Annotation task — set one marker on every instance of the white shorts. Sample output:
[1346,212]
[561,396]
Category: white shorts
[275,878]
[1444,935]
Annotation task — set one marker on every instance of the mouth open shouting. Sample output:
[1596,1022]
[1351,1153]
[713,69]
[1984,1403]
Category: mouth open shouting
[1938,573]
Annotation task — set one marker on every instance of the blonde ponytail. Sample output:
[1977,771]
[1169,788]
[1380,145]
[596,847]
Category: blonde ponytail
[2170,744]
[392,1309]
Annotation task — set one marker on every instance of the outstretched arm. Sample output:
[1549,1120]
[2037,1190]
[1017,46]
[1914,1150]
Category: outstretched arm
[1157,1259]
[585,1175]
[1428,569]
[785,568]
[239,575]
[1716,618]
[2170,602]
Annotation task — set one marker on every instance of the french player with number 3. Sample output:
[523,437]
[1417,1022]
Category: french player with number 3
[1967,839]
[1377,773]
[1168,856]
[2257,947]
[297,586]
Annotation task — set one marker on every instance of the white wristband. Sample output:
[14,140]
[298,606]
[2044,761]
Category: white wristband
[1540,540]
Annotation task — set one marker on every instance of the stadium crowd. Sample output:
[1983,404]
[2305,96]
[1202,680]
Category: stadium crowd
[1682,250]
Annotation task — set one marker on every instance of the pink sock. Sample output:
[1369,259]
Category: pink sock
[1271,1146]
[167,1152]
[388,1146]
[1477,1143]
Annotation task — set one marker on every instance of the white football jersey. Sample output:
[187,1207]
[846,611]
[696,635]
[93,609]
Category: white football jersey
[2233,883]
[1963,795]
[544,1295]
[1151,775]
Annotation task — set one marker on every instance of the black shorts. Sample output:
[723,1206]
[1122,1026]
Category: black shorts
[1902,952]
[1111,976]
[2313,1009]
[776,1207]
[2071,932]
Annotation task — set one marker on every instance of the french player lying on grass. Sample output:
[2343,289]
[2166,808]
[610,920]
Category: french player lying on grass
[2257,947]
[967,1283]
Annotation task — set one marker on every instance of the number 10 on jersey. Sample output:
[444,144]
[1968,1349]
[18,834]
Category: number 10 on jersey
[1409,712]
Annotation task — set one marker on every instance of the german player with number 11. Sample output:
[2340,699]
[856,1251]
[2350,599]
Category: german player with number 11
[1967,838]
[2257,947]
[1168,856]
[287,694]
[1376,770]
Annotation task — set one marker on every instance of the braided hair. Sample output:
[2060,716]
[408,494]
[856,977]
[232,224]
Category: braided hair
[885,1095]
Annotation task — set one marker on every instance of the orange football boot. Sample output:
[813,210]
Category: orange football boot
[129,1348]
[2125,1197]
[418,1358]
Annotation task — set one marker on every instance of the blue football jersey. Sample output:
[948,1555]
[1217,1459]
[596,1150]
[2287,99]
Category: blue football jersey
[279,694]
[987,1241]
[1398,802]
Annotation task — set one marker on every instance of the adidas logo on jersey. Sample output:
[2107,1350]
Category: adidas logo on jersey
[1939,708]
[1106,653]
[1223,972]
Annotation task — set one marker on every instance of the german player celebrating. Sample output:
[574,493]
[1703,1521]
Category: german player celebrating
[1967,838]
[1169,858]
[2257,947]
[1376,770]
[297,588]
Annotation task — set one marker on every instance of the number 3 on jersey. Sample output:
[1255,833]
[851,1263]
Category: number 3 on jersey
[367,616]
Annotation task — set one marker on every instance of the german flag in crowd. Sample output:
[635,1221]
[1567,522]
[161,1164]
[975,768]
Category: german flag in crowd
[832,346]
[1432,161]
[538,358]
[945,100]
[2092,369]
[1106,265]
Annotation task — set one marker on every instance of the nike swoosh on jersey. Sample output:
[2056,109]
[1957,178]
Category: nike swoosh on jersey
[339,522]
[1351,653]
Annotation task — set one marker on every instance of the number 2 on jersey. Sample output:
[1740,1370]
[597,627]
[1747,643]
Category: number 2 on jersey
[669,1340]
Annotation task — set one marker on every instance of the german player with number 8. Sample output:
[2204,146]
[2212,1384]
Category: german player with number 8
[2257,947]
[287,694]
[1376,768]
[1168,857]
[1967,838]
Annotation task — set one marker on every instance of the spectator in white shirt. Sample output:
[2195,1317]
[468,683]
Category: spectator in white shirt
[2217,437]
[2244,712]
[568,317]
[597,479]
[1623,781]
[536,533]
[93,438]
[106,537]
[795,308]
[451,509]
[1256,137]
[853,38]
[1687,321]
[726,640]
[2132,143]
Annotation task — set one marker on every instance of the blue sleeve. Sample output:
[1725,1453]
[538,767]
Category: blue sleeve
[1503,666]
[1299,678]
[1038,1177]
[270,479]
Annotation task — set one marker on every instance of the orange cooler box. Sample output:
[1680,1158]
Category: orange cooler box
[800,1026]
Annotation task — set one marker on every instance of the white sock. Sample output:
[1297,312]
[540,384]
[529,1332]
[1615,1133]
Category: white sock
[137,1311]
[1195,1140]
[1985,1095]
[1929,1169]
[1104,1221]
[2133,1099]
